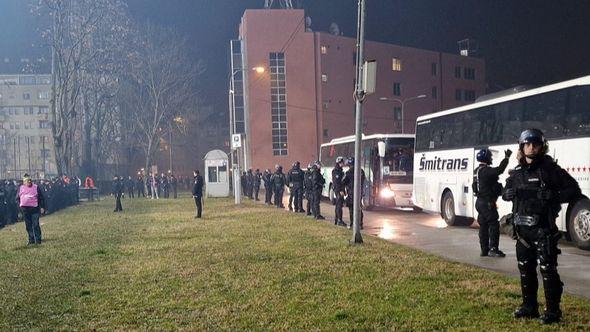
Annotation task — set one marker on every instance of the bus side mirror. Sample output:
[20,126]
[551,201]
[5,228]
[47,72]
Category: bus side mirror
[381,148]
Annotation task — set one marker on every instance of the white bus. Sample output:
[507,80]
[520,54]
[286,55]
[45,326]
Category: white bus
[387,160]
[447,143]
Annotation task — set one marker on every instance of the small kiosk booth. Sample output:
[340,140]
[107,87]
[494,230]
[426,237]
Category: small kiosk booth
[216,174]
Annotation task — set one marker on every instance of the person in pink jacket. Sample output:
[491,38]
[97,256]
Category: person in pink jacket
[32,202]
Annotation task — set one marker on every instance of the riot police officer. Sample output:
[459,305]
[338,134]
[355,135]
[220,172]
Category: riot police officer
[487,189]
[338,188]
[257,178]
[278,181]
[295,178]
[317,185]
[118,192]
[307,188]
[537,187]
[267,186]
[348,183]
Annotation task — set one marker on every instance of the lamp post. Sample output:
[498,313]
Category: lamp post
[403,103]
[233,130]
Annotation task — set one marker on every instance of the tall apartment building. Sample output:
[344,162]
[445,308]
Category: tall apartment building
[304,96]
[26,144]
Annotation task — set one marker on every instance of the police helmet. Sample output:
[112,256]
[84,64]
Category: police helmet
[318,164]
[484,156]
[309,166]
[297,164]
[339,160]
[350,161]
[534,136]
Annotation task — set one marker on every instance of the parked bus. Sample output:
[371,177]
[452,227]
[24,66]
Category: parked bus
[447,143]
[387,160]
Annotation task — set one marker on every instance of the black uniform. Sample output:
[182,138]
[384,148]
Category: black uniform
[257,178]
[174,185]
[348,183]
[267,187]
[488,190]
[295,178]
[338,188]
[278,181]
[307,190]
[139,187]
[198,194]
[250,184]
[118,192]
[537,191]
[317,185]
[2,205]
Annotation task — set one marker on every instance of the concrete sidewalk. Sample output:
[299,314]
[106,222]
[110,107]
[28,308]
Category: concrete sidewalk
[429,233]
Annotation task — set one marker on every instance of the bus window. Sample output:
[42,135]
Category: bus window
[546,112]
[578,119]
[398,163]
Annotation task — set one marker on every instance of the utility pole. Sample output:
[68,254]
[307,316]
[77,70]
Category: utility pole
[359,96]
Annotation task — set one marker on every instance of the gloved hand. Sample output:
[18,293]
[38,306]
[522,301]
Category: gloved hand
[507,153]
[544,194]
[509,194]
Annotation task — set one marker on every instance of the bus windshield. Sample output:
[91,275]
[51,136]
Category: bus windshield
[398,163]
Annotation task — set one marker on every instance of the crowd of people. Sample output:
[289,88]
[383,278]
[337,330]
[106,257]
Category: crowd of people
[58,193]
[304,184]
[157,186]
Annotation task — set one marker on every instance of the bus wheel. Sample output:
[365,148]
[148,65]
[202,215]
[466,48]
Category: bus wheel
[447,212]
[332,196]
[579,224]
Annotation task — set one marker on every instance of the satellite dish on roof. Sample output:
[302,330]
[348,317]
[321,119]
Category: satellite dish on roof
[334,29]
[308,24]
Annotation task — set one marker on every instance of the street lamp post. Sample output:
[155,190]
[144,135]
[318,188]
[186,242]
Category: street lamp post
[403,103]
[233,130]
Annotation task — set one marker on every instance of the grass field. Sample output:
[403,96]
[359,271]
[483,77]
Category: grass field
[154,267]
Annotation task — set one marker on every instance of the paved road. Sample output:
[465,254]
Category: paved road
[430,233]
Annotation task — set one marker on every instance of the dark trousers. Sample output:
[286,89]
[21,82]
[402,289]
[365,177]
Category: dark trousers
[338,208]
[140,192]
[297,198]
[118,206]
[489,226]
[268,195]
[315,203]
[130,193]
[542,247]
[33,227]
[199,204]
[256,190]
[175,192]
[279,198]
[309,201]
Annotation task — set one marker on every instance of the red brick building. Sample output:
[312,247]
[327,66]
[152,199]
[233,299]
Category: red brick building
[304,96]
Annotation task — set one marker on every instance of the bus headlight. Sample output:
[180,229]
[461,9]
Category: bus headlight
[386,193]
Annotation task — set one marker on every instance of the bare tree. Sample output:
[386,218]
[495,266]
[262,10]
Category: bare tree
[73,32]
[160,87]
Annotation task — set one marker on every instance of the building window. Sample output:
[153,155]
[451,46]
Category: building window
[26,80]
[16,125]
[44,95]
[433,69]
[434,92]
[469,73]
[325,105]
[26,96]
[44,80]
[397,89]
[397,113]
[325,132]
[396,64]
[457,72]
[43,110]
[458,94]
[43,124]
[324,78]
[324,49]
[469,95]
[278,97]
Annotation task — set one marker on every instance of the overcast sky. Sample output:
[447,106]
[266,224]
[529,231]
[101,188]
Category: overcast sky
[523,41]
